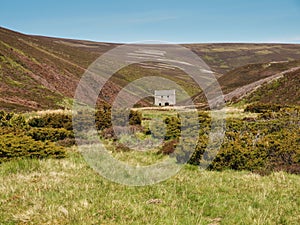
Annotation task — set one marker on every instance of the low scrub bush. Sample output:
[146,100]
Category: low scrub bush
[120,117]
[268,143]
[50,134]
[18,139]
[55,120]
[12,146]
[12,120]
[262,107]
[168,147]
[262,145]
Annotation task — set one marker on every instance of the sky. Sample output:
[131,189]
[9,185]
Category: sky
[186,21]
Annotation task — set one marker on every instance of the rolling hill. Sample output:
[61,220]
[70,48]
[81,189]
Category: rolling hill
[284,90]
[276,82]
[42,73]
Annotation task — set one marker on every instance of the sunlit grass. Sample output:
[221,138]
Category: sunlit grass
[45,112]
[68,191]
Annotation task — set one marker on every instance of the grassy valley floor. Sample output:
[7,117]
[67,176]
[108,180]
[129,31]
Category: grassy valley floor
[68,191]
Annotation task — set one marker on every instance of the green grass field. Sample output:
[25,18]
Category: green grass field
[68,191]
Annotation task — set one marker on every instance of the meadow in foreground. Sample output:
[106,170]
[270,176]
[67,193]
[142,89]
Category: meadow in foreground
[68,191]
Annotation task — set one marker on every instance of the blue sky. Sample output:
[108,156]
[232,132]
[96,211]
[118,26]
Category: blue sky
[165,20]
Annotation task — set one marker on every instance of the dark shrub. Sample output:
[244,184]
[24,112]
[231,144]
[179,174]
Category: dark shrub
[55,120]
[12,146]
[68,142]
[103,117]
[262,107]
[135,118]
[50,134]
[12,120]
[173,127]
[168,147]
[262,145]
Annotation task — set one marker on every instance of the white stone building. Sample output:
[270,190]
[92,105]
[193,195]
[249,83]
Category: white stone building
[164,97]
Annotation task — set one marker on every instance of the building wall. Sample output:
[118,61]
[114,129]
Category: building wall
[163,97]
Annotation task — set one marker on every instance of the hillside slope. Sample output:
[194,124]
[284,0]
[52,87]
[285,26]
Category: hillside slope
[39,72]
[242,81]
[285,90]
[223,58]
[42,73]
